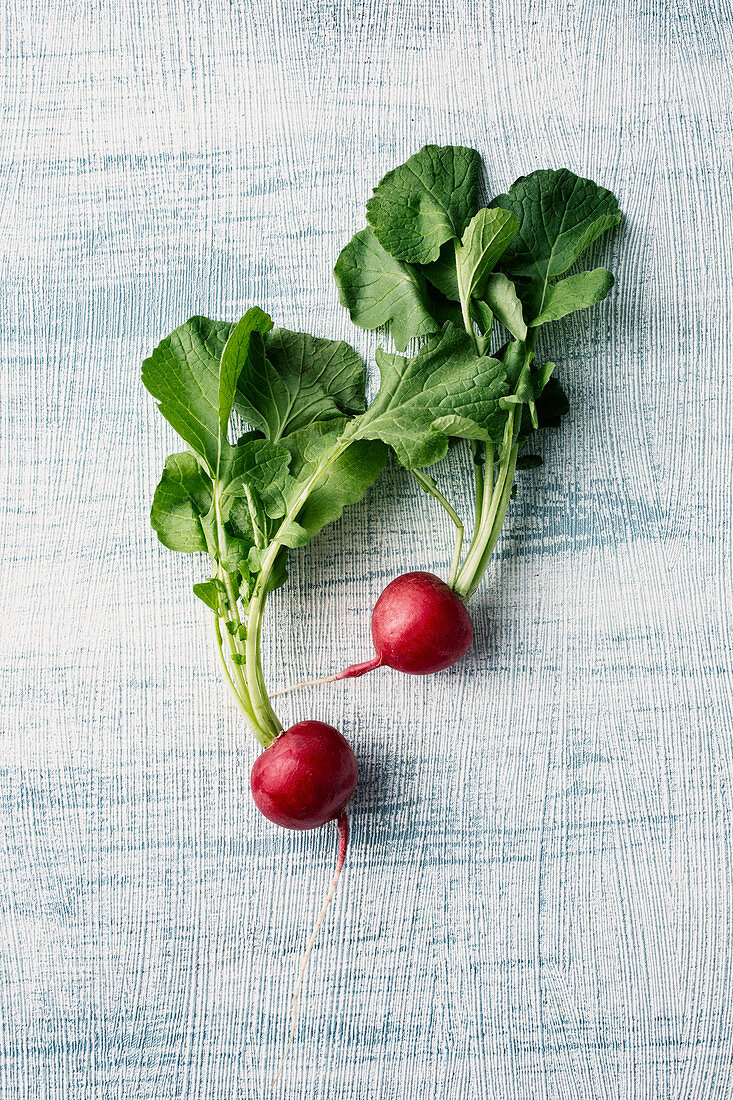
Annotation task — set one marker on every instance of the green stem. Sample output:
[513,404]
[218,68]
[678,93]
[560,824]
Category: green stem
[247,691]
[233,641]
[490,520]
[428,484]
[241,699]
[253,666]
[483,546]
[467,323]
[254,678]
[481,467]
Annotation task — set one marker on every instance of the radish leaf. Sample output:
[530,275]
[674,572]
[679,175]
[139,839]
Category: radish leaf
[560,216]
[485,239]
[575,292]
[194,384]
[445,390]
[182,497]
[291,379]
[344,479]
[378,289]
[426,201]
[501,298]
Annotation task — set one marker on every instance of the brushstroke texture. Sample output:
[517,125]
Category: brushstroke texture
[542,910]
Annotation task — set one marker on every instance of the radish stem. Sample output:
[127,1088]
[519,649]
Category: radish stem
[428,484]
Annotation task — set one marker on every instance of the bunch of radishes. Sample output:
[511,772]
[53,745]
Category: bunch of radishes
[435,268]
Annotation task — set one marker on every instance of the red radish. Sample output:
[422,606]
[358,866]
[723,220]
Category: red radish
[306,776]
[303,780]
[419,625]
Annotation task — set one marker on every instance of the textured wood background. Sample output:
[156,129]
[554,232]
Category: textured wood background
[537,902]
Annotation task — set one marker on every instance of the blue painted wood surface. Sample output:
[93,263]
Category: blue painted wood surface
[537,901]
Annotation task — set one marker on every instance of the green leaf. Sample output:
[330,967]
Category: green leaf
[482,315]
[513,355]
[182,374]
[560,216]
[530,383]
[460,427]
[444,390]
[194,385]
[485,239]
[345,480]
[257,479]
[234,359]
[292,379]
[550,407]
[501,297]
[182,497]
[472,259]
[442,272]
[213,593]
[326,474]
[575,292]
[378,290]
[425,201]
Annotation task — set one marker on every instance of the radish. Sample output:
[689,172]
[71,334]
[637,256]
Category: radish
[419,626]
[458,271]
[245,504]
[306,777]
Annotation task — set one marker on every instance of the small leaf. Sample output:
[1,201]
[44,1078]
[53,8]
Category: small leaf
[237,658]
[485,239]
[234,359]
[540,376]
[292,534]
[257,478]
[182,497]
[378,290]
[426,201]
[192,374]
[446,389]
[182,374]
[576,292]
[483,316]
[460,427]
[501,298]
[342,484]
[213,593]
[560,216]
[513,355]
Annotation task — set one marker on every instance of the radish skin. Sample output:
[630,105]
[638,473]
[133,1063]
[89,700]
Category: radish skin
[306,777]
[419,626]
